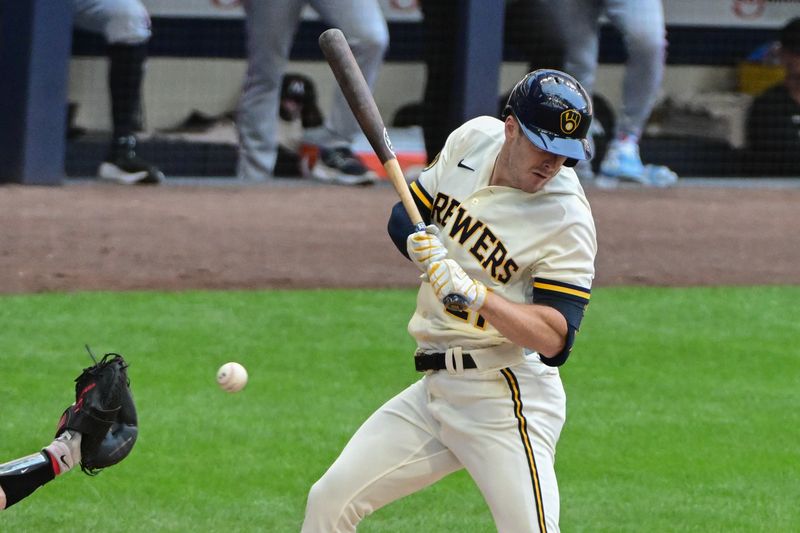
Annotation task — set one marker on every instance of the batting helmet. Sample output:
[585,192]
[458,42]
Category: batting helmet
[555,112]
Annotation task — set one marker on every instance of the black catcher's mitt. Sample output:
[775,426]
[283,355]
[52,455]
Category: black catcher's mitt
[104,413]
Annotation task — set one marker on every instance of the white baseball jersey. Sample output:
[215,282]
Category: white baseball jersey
[508,239]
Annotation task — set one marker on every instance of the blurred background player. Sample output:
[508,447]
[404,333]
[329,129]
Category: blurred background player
[125,25]
[271,27]
[643,29]
[773,122]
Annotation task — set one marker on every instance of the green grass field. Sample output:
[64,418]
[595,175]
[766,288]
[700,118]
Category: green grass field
[683,409]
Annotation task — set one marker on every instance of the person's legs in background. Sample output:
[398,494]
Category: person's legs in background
[364,26]
[644,32]
[271,28]
[125,24]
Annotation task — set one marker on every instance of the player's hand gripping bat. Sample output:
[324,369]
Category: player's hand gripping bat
[359,97]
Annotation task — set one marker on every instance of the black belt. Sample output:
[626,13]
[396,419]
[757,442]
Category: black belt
[435,361]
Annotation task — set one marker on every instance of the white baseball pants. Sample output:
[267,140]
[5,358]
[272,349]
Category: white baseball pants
[502,426]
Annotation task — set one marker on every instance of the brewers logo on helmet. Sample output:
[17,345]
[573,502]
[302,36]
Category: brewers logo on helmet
[570,120]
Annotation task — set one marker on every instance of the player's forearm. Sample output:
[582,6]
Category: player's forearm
[536,327]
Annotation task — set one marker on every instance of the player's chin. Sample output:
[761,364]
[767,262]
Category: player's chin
[535,181]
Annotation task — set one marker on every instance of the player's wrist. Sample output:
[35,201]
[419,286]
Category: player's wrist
[65,451]
[478,297]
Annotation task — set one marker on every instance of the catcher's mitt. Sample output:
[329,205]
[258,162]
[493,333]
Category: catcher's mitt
[103,412]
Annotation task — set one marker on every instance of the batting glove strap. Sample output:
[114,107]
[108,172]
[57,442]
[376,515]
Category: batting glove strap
[447,277]
[425,247]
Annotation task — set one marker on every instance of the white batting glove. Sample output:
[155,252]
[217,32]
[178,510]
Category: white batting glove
[424,247]
[447,277]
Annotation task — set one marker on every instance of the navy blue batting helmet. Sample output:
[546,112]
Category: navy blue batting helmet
[555,112]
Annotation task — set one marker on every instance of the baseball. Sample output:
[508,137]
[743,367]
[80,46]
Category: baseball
[231,377]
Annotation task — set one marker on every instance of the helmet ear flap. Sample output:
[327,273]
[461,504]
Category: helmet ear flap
[570,162]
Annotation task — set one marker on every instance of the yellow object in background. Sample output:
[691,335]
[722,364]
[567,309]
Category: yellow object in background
[755,78]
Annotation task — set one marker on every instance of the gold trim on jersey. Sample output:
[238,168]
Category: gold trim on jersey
[421,196]
[522,424]
[435,160]
[558,288]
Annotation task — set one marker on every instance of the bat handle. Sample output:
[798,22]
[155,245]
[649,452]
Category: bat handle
[455,302]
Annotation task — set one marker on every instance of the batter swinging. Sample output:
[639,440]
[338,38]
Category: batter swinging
[510,230]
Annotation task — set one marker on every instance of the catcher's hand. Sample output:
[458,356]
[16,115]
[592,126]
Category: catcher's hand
[447,277]
[425,247]
[103,412]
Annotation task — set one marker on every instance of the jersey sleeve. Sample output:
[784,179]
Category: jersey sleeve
[431,175]
[569,300]
[563,281]
[424,188]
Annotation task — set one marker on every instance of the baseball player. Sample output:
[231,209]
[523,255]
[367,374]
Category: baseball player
[97,431]
[125,24]
[511,232]
[642,25]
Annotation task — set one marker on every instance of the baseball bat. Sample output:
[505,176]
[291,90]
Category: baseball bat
[356,91]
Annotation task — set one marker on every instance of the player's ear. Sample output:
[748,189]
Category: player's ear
[511,127]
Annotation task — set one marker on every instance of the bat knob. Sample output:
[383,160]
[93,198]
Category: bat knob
[455,302]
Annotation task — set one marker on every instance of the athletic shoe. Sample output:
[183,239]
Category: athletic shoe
[622,161]
[125,167]
[659,176]
[340,165]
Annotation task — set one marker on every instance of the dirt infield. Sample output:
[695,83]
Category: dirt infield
[87,236]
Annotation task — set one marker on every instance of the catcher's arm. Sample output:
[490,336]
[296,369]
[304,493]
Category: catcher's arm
[98,430]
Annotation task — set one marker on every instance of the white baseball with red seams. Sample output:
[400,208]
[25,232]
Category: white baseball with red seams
[232,377]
